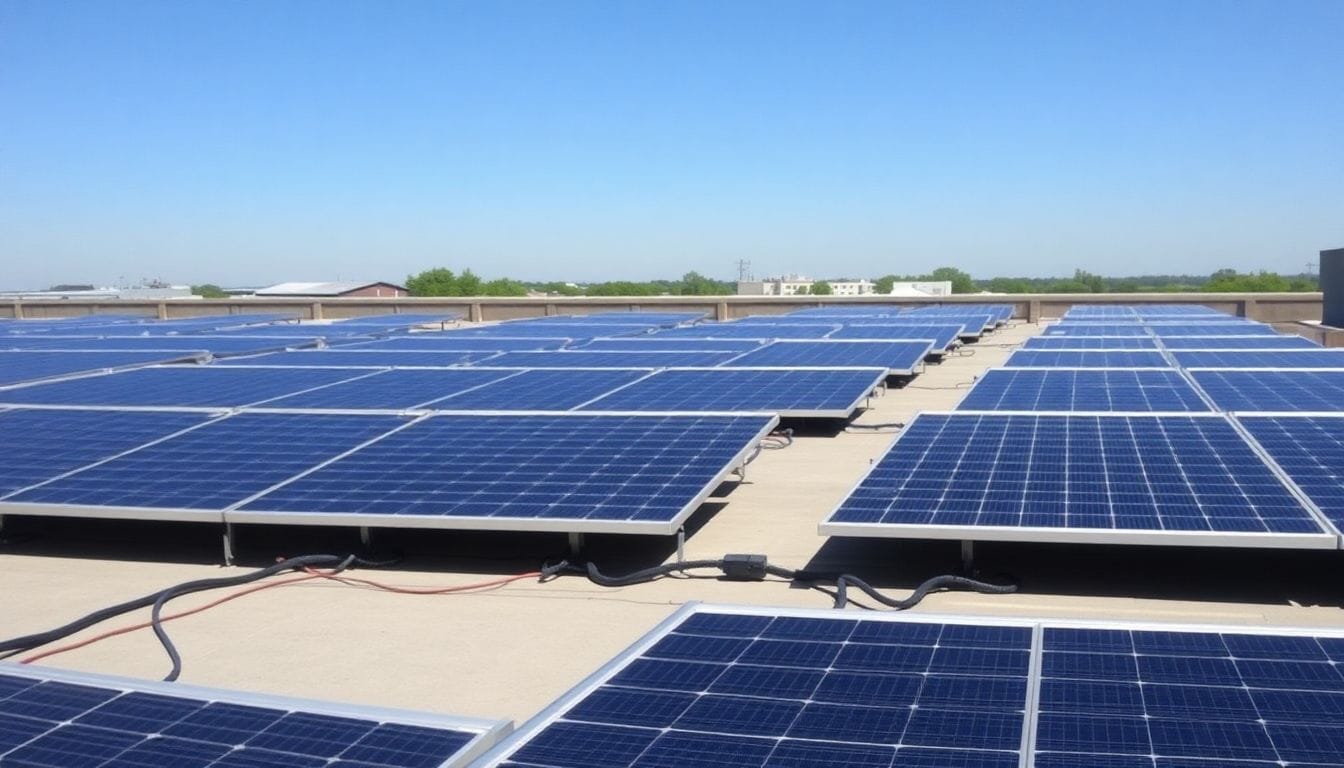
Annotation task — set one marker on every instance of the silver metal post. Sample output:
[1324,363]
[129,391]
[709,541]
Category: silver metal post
[365,537]
[228,543]
[575,543]
[681,544]
[967,556]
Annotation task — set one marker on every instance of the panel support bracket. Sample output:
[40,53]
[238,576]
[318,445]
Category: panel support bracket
[967,557]
[575,543]
[228,543]
[681,544]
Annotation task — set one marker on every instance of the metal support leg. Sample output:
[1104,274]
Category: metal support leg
[967,556]
[2,529]
[228,543]
[681,544]
[575,543]
[365,538]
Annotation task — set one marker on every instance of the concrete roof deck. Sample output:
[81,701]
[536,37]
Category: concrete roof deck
[509,652]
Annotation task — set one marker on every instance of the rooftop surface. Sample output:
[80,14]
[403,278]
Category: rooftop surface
[507,652]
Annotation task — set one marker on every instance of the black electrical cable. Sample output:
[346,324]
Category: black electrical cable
[935,584]
[25,643]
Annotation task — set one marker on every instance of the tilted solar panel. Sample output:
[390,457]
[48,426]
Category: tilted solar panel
[1288,358]
[580,358]
[1124,479]
[1270,390]
[830,393]
[543,389]
[1238,342]
[1311,450]
[393,388]
[397,320]
[1071,389]
[19,367]
[349,357]
[944,335]
[71,439]
[1204,328]
[207,386]
[1095,329]
[1040,358]
[218,346]
[898,357]
[614,473]
[451,342]
[554,330]
[755,330]
[63,719]
[1136,343]
[660,344]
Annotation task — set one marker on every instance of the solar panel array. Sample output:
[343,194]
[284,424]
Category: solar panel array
[1081,438]
[775,687]
[55,718]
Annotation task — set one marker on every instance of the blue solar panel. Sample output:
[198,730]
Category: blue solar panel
[349,357]
[865,310]
[212,467]
[1294,358]
[545,389]
[580,358]
[650,319]
[660,344]
[987,477]
[71,439]
[1295,390]
[898,357]
[1204,328]
[63,719]
[554,330]
[944,335]
[1090,342]
[35,365]
[581,472]
[759,330]
[429,342]
[1096,312]
[396,388]
[1066,389]
[1117,697]
[746,689]
[1238,342]
[186,386]
[393,321]
[216,345]
[818,393]
[1096,329]
[1311,450]
[1040,358]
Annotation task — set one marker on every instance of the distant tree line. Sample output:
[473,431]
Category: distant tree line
[443,282]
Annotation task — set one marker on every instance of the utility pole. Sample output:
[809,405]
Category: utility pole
[743,270]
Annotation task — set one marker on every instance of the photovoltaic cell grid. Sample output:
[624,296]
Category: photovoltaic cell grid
[1096,329]
[614,473]
[790,393]
[394,321]
[184,386]
[396,388]
[72,439]
[554,330]
[430,342]
[70,720]
[348,357]
[660,344]
[1126,479]
[615,359]
[1022,389]
[215,345]
[1311,450]
[759,330]
[34,365]
[201,472]
[944,335]
[544,389]
[1267,390]
[1135,343]
[747,691]
[1305,358]
[1033,358]
[898,357]
[1204,328]
[1238,342]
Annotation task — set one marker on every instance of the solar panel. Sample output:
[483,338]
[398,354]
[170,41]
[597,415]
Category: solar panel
[71,439]
[597,473]
[51,717]
[1095,329]
[659,344]
[552,330]
[1178,480]
[215,345]
[1041,358]
[18,367]
[580,358]
[1311,450]
[350,358]
[830,393]
[201,386]
[1068,389]
[974,324]
[1269,390]
[1090,343]
[544,389]
[1238,342]
[944,335]
[1204,328]
[898,357]
[394,321]
[1288,358]
[748,331]
[197,474]
[396,388]
[1095,312]
[429,342]
[754,687]
[650,319]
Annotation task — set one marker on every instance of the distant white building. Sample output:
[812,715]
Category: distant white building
[800,285]
[920,289]
[138,293]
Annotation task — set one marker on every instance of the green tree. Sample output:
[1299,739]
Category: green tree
[468,284]
[822,288]
[961,281]
[209,291]
[439,281]
[696,284]
[884,284]
[1094,283]
[503,287]
[622,288]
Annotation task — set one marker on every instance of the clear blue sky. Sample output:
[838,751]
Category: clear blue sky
[244,142]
